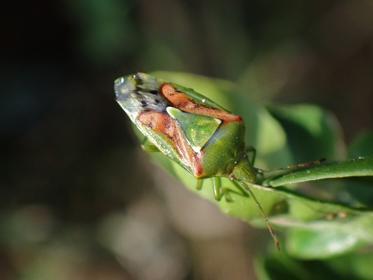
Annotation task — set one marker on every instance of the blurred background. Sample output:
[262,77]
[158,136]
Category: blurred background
[78,198]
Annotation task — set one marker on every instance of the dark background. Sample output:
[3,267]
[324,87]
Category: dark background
[73,180]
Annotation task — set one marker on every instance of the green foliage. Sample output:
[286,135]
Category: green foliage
[362,145]
[317,129]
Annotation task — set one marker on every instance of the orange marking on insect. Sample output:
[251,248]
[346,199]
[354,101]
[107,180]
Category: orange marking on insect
[159,122]
[186,104]
[163,123]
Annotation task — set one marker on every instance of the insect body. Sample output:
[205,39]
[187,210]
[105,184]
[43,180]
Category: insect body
[204,138]
[201,136]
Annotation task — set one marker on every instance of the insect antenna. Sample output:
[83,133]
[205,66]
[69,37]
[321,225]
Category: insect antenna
[265,217]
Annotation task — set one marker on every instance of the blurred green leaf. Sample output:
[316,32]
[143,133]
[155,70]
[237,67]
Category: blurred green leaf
[362,145]
[357,265]
[105,27]
[312,132]
[360,189]
[280,266]
[323,239]
[277,266]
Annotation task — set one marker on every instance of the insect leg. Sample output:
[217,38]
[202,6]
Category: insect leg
[199,184]
[246,187]
[220,191]
[252,151]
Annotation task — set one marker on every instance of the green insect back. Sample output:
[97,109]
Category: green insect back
[198,129]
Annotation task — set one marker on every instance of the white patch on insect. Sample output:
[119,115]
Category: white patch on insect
[139,93]
[119,80]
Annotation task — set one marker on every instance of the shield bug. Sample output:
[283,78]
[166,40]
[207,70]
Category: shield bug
[204,138]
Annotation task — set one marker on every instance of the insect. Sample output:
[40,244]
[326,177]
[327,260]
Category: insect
[201,136]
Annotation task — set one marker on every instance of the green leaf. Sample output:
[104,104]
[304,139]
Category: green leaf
[323,239]
[357,265]
[312,132]
[281,266]
[360,189]
[362,166]
[242,206]
[362,145]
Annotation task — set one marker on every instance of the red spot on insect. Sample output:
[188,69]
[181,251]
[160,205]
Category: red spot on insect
[163,123]
[167,90]
[181,101]
[159,122]
[198,168]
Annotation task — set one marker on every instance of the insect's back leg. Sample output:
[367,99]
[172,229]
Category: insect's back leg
[199,184]
[251,150]
[220,191]
[261,210]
